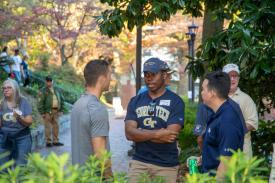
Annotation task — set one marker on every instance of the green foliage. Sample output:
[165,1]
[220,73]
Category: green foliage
[57,169]
[248,42]
[199,178]
[3,75]
[262,141]
[50,169]
[187,140]
[138,13]
[241,169]
[65,79]
[42,57]
[238,169]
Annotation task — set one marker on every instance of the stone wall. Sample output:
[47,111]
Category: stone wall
[38,137]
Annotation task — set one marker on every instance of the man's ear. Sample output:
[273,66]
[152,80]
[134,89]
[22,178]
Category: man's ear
[164,75]
[101,78]
[213,93]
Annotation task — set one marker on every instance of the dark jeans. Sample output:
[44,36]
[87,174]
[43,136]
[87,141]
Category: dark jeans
[15,146]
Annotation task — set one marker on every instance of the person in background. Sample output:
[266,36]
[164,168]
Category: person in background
[226,128]
[24,65]
[268,114]
[16,117]
[89,117]
[247,105]
[153,121]
[204,114]
[6,64]
[16,67]
[51,106]
[4,52]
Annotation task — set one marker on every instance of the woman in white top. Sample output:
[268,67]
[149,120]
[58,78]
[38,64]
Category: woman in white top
[17,68]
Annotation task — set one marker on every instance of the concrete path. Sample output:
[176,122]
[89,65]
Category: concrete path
[119,144]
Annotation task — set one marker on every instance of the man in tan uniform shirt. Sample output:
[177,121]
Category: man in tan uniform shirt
[247,105]
[51,106]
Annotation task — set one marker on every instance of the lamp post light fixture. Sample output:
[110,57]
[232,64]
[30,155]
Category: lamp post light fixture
[192,31]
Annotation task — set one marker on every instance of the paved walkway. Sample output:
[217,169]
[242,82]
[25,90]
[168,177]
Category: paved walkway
[119,144]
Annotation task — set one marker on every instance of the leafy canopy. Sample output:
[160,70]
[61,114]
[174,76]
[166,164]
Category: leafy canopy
[249,42]
[140,12]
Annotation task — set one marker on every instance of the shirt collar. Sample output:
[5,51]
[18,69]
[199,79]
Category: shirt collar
[217,113]
[237,92]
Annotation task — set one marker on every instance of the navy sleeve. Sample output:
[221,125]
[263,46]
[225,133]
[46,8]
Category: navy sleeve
[201,120]
[131,113]
[177,113]
[230,138]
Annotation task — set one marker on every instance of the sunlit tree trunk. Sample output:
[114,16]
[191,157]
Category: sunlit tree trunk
[182,88]
[22,44]
[210,28]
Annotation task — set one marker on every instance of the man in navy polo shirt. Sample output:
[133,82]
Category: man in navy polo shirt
[153,121]
[226,128]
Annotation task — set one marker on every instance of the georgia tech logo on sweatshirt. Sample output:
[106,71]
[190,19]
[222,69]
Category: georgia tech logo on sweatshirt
[149,122]
[159,112]
[9,117]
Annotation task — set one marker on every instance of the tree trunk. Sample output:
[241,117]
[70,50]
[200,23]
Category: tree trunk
[210,28]
[63,57]
[182,87]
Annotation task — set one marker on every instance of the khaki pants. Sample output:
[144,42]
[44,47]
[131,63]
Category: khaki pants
[137,168]
[51,126]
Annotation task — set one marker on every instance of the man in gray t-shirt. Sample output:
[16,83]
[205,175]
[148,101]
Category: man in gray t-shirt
[89,118]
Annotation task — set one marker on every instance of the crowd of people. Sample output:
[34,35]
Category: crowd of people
[16,111]
[15,66]
[154,119]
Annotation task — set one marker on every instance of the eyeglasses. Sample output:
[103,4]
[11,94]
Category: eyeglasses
[233,76]
[6,87]
[151,108]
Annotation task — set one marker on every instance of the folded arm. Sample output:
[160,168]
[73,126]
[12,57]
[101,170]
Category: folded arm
[162,135]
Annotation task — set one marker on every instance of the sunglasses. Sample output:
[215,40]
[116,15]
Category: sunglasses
[151,108]
[6,87]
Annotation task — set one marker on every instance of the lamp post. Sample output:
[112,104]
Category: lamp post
[192,31]
[138,57]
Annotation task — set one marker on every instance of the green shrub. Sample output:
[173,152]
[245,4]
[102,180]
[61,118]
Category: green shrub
[187,140]
[65,79]
[57,169]
[239,169]
[43,58]
[262,140]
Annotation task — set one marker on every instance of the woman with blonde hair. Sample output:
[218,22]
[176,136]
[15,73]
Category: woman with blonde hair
[15,135]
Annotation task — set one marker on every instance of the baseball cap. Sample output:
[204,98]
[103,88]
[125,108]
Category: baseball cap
[169,71]
[231,67]
[49,78]
[155,65]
